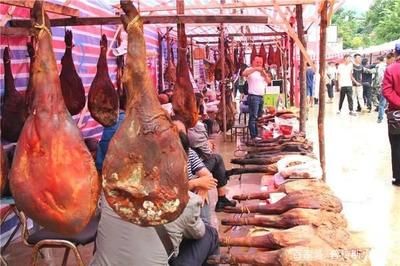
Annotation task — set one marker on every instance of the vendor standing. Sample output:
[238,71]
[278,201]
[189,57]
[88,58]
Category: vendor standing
[257,79]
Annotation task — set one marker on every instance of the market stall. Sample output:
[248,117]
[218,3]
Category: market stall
[91,70]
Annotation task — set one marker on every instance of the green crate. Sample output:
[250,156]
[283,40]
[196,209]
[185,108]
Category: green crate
[270,99]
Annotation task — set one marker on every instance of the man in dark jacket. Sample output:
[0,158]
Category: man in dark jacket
[366,83]
[391,91]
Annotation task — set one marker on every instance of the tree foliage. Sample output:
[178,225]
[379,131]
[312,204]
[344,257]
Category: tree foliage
[381,23]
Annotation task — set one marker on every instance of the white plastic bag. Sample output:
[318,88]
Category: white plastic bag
[299,166]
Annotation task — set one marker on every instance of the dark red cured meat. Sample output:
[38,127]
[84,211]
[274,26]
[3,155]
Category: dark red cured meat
[71,84]
[13,108]
[103,100]
[53,178]
[144,172]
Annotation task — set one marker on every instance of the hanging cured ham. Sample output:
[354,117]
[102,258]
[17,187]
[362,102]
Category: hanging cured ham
[29,89]
[271,55]
[3,170]
[229,63]
[71,84]
[13,111]
[53,178]
[230,110]
[253,53]
[145,178]
[241,55]
[236,59]
[263,54]
[170,71]
[219,65]
[277,57]
[183,99]
[103,100]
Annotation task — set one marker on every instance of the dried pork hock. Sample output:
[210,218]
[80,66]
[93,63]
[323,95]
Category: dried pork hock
[289,187]
[170,71]
[268,169]
[29,89]
[145,178]
[53,178]
[291,218]
[103,102]
[258,161]
[268,155]
[230,111]
[3,170]
[306,199]
[13,112]
[293,256]
[71,84]
[284,147]
[183,99]
[302,235]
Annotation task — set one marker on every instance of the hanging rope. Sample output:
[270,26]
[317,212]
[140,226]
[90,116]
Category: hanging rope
[135,21]
[42,28]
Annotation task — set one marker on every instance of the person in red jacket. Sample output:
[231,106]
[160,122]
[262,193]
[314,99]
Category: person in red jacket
[391,91]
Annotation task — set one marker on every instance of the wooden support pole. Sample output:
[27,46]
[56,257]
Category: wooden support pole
[244,4]
[322,64]
[191,56]
[171,19]
[16,32]
[254,41]
[302,72]
[291,56]
[222,58]
[284,60]
[160,63]
[293,34]
[48,7]
[281,33]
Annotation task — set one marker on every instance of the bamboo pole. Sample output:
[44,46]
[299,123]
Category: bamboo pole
[303,94]
[321,111]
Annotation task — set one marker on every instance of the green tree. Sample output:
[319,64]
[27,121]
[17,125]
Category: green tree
[383,21]
[349,28]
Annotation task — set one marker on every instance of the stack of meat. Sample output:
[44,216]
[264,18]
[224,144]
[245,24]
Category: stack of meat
[265,154]
[304,226]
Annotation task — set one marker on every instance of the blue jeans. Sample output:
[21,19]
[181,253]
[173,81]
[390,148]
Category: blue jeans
[256,104]
[382,106]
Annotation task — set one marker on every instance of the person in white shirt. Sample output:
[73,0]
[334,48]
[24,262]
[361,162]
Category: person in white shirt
[257,79]
[330,80]
[345,83]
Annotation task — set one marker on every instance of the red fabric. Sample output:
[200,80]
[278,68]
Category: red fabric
[391,85]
